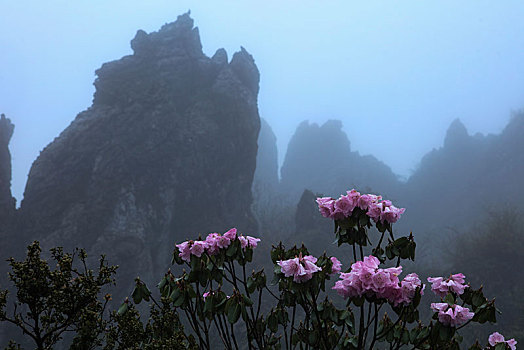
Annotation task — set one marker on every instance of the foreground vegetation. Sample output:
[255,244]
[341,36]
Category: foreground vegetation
[220,301]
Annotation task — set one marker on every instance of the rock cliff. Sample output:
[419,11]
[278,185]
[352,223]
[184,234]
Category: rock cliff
[166,151]
[7,202]
[266,173]
[457,184]
[319,158]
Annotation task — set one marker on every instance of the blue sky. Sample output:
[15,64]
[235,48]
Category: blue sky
[396,73]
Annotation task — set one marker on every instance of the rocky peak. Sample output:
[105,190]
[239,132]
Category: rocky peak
[456,135]
[7,202]
[6,130]
[171,137]
[177,38]
[319,158]
[220,57]
[266,174]
[244,66]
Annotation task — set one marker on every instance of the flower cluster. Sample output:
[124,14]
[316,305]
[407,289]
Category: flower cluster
[376,208]
[441,286]
[497,338]
[213,243]
[452,315]
[301,268]
[367,279]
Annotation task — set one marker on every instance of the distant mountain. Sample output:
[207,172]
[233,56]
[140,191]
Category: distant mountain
[166,152]
[319,158]
[456,184]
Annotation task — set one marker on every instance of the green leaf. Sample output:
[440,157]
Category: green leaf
[449,299]
[477,299]
[122,309]
[233,313]
[446,333]
[232,249]
[272,323]
[137,295]
[179,300]
[246,300]
[162,283]
[145,292]
[250,285]
[208,305]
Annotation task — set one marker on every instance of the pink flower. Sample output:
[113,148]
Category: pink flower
[310,258]
[206,294]
[379,279]
[367,199]
[212,243]
[408,287]
[253,241]
[344,205]
[366,278]
[301,268]
[371,262]
[353,195]
[374,211]
[289,267]
[326,206]
[231,234]
[441,287]
[391,214]
[248,241]
[223,242]
[198,248]
[185,250]
[497,338]
[336,266]
[243,241]
[452,316]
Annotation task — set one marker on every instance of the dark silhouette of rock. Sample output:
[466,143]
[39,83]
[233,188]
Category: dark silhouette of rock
[319,158]
[167,151]
[266,173]
[7,202]
[8,236]
[457,184]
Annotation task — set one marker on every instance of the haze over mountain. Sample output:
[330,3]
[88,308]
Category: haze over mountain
[394,73]
[454,187]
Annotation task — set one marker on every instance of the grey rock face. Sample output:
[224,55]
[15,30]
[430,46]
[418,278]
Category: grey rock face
[266,173]
[470,175]
[167,151]
[7,202]
[319,158]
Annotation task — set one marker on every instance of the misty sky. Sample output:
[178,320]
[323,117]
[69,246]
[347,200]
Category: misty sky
[396,73]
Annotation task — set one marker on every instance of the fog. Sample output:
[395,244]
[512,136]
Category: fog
[396,74]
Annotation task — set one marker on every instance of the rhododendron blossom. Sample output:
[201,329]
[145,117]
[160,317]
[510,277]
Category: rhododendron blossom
[326,205]
[185,250]
[497,338]
[367,279]
[376,208]
[441,287]
[213,243]
[454,315]
[336,265]
[248,241]
[301,268]
[198,248]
